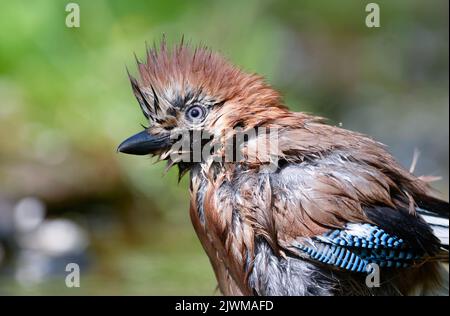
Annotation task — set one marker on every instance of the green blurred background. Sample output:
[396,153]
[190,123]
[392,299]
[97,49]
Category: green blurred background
[65,104]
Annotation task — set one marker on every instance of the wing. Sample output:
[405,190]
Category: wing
[347,216]
[356,246]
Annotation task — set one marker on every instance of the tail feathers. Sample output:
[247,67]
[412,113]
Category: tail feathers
[439,224]
[436,213]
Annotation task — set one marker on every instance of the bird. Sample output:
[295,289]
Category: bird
[284,203]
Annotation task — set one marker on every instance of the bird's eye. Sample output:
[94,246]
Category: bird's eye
[195,113]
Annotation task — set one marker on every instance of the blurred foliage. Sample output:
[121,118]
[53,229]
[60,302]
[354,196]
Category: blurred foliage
[66,103]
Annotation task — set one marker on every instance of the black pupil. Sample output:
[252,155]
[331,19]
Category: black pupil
[195,113]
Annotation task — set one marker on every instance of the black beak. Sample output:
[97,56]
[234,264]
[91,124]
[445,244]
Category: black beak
[143,143]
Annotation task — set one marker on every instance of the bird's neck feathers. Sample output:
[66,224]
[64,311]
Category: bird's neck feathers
[297,138]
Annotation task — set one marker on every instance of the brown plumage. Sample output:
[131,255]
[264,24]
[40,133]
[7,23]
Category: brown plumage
[257,225]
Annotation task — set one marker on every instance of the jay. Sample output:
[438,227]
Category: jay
[319,211]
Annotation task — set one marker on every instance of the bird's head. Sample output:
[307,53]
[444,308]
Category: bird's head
[184,91]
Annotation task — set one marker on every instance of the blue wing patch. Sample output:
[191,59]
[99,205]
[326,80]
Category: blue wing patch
[358,245]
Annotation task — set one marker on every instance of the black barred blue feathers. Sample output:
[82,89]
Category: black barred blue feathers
[357,246]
